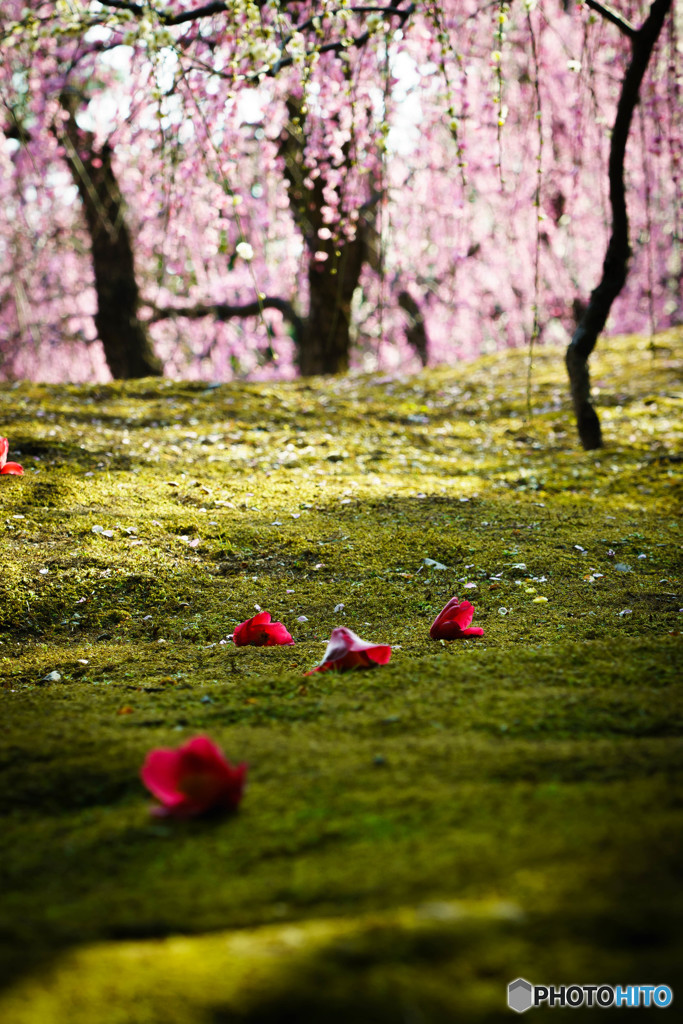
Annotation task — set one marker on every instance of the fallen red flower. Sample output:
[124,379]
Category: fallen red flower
[452,621]
[8,468]
[259,631]
[193,779]
[346,650]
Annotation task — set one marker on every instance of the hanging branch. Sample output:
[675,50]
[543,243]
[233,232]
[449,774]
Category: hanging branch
[615,266]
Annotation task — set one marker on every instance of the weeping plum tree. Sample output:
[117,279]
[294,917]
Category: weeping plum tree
[334,263]
[125,342]
[124,337]
[321,336]
[615,267]
[317,164]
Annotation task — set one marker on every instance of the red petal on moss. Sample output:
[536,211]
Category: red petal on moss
[260,619]
[452,621]
[202,746]
[379,655]
[194,779]
[161,774]
[278,634]
[462,613]
[239,636]
[346,650]
[259,631]
[12,469]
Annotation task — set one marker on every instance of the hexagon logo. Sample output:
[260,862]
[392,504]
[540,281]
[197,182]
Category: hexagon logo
[520,995]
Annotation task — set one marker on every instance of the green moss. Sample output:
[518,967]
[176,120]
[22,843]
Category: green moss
[537,767]
[442,961]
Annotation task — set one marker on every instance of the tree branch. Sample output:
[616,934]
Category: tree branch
[199,12]
[220,6]
[124,5]
[611,15]
[224,311]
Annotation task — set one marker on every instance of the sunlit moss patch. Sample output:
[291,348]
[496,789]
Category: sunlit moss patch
[537,767]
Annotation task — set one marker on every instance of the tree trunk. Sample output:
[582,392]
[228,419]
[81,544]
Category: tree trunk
[416,329]
[127,346]
[615,266]
[334,264]
[325,341]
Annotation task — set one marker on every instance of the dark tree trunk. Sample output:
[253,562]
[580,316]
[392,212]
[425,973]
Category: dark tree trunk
[334,264]
[127,346]
[415,330]
[325,341]
[615,266]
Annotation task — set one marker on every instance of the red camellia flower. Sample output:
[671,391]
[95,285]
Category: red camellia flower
[452,621]
[8,468]
[193,779]
[261,632]
[345,650]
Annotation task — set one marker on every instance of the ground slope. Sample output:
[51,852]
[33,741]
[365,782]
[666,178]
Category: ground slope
[413,837]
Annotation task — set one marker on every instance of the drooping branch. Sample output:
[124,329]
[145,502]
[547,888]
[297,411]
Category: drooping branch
[358,42]
[615,266]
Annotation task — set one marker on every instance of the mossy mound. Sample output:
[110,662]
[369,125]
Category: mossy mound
[537,769]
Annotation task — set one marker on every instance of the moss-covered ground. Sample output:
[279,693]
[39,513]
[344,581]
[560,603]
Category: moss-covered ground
[412,837]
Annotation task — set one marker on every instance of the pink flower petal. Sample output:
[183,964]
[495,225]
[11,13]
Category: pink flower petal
[259,631]
[161,772]
[462,614]
[260,619]
[240,634]
[4,448]
[452,621]
[346,650]
[194,779]
[379,655]
[278,635]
